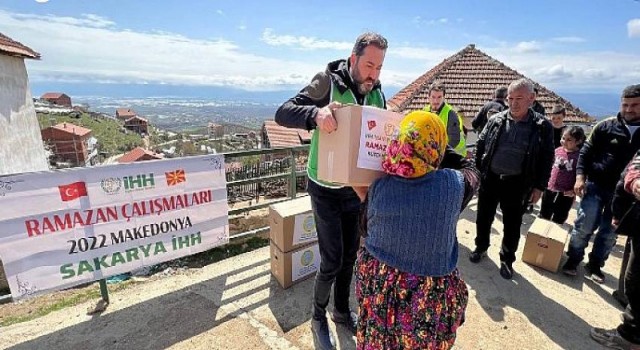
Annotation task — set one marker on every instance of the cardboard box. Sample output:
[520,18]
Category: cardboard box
[292,224]
[295,266]
[545,244]
[352,155]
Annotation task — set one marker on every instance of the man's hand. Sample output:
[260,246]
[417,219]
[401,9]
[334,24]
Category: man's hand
[578,188]
[635,189]
[535,196]
[615,222]
[324,118]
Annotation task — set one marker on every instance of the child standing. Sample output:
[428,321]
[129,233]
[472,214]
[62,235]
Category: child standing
[559,196]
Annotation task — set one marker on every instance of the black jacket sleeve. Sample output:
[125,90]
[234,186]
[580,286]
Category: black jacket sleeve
[546,157]
[622,200]
[585,159]
[480,119]
[480,145]
[453,160]
[300,111]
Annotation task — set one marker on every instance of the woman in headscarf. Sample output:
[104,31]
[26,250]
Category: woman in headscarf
[408,288]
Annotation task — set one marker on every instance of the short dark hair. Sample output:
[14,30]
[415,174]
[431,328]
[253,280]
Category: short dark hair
[631,91]
[501,92]
[369,38]
[437,86]
[559,109]
[577,133]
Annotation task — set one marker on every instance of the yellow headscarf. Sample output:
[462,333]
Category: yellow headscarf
[419,146]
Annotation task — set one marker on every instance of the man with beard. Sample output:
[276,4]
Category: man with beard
[335,208]
[602,159]
[450,118]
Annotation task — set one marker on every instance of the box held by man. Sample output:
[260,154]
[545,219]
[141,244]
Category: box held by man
[352,154]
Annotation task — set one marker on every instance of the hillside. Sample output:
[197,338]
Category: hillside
[112,137]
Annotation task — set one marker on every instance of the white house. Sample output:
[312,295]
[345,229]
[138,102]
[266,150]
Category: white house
[21,147]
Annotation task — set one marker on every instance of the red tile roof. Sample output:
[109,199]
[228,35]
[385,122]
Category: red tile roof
[11,47]
[138,154]
[279,136]
[125,113]
[52,95]
[470,78]
[136,117]
[72,129]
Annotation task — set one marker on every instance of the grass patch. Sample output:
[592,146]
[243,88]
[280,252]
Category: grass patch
[71,297]
[112,138]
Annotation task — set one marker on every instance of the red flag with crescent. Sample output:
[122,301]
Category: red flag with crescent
[72,191]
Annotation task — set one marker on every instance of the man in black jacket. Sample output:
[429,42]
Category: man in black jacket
[336,208]
[490,108]
[514,153]
[537,106]
[603,157]
[626,216]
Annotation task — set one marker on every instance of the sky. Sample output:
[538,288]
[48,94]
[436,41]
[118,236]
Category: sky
[566,45]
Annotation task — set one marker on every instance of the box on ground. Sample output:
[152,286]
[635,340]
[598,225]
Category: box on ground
[545,244]
[292,224]
[294,266]
[352,154]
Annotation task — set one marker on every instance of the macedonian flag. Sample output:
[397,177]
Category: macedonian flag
[175,177]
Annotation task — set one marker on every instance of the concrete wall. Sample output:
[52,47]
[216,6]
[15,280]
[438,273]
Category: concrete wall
[21,147]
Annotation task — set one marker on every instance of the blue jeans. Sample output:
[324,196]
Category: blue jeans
[594,213]
[336,213]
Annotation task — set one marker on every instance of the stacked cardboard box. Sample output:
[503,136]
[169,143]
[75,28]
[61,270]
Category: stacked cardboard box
[295,255]
[545,244]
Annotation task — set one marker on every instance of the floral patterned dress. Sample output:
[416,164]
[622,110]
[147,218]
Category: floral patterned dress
[400,310]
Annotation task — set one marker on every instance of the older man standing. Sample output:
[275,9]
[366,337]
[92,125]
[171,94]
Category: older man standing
[514,153]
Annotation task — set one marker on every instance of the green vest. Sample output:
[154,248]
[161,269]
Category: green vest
[373,98]
[461,147]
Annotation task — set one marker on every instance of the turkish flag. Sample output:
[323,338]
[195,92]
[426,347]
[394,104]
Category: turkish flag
[72,191]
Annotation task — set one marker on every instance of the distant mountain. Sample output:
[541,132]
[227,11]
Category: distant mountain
[160,90]
[173,106]
[598,105]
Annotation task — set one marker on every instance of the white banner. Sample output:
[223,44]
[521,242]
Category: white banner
[378,126]
[64,228]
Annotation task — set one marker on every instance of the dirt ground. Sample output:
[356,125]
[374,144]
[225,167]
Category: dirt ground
[237,304]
